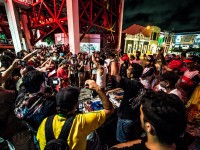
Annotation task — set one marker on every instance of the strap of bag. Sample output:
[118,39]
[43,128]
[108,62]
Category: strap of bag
[66,127]
[49,129]
[64,131]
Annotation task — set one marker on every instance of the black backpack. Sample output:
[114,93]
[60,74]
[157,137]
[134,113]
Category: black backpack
[61,142]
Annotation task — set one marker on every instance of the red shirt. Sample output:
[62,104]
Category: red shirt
[62,74]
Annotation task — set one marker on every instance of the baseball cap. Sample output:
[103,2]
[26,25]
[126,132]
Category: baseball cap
[192,59]
[177,64]
[67,97]
[125,55]
[64,61]
[125,58]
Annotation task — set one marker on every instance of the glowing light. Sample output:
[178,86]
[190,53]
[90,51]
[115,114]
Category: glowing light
[148,27]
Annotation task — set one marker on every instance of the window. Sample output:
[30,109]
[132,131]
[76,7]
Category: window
[154,36]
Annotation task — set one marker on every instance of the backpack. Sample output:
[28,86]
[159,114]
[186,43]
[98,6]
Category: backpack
[27,107]
[61,142]
[34,109]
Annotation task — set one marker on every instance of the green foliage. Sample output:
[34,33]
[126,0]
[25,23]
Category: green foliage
[49,40]
[2,36]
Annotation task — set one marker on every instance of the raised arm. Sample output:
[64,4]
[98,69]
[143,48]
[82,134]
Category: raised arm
[163,61]
[44,63]
[6,74]
[113,70]
[27,57]
[113,90]
[94,61]
[107,105]
[161,54]
[125,145]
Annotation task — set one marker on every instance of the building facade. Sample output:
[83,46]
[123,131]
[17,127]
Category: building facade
[186,40]
[153,43]
[139,38]
[132,43]
[166,40]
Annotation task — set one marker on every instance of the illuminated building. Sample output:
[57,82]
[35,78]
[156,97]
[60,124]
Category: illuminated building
[166,40]
[186,40]
[144,39]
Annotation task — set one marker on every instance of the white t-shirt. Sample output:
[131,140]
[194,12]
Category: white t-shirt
[101,79]
[94,71]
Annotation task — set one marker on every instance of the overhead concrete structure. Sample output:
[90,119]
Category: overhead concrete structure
[14,25]
[94,17]
[4,26]
[73,26]
[121,14]
[103,17]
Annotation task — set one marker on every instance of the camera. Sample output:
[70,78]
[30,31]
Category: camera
[62,54]
[55,81]
[22,63]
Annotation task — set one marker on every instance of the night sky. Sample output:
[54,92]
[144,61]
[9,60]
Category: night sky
[171,15]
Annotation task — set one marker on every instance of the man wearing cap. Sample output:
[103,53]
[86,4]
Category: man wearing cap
[62,75]
[175,65]
[191,76]
[123,66]
[83,124]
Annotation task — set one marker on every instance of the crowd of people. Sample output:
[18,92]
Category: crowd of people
[39,94]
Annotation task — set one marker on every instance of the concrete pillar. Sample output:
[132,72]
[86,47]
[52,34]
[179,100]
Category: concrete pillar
[73,25]
[24,19]
[14,24]
[125,47]
[121,13]
[39,43]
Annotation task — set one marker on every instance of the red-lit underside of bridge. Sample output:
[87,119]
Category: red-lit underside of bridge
[95,16]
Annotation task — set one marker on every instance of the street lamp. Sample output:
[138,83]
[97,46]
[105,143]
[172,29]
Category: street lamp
[147,27]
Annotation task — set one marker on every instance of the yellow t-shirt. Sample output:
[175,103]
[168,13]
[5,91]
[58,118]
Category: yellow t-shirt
[83,125]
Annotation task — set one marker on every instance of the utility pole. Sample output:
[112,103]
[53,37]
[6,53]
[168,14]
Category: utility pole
[139,40]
